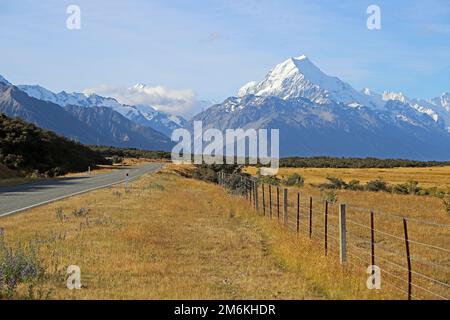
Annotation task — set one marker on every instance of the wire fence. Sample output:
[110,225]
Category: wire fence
[410,253]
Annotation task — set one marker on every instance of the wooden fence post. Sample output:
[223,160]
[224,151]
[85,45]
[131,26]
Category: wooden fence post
[250,191]
[310,216]
[256,196]
[342,234]
[326,227]
[372,239]
[245,189]
[278,203]
[285,206]
[298,213]
[263,199]
[270,201]
[408,258]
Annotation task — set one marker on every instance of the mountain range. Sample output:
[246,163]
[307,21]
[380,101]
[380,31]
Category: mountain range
[322,115]
[144,115]
[95,123]
[316,114]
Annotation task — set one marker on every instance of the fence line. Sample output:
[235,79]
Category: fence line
[338,234]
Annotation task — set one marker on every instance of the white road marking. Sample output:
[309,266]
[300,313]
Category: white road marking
[71,195]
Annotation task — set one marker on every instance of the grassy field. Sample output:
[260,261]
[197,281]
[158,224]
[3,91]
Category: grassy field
[172,237]
[428,223]
[427,177]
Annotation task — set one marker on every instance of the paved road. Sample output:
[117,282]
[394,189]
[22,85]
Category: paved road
[21,197]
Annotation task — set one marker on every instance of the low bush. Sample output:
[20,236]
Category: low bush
[294,180]
[354,185]
[377,185]
[335,183]
[82,212]
[20,266]
[33,151]
[329,196]
[446,203]
[272,180]
[116,159]
[209,173]
[410,187]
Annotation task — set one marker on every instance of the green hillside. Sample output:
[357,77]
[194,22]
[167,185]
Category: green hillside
[27,149]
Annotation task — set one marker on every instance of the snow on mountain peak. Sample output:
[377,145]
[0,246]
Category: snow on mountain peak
[445,100]
[141,114]
[300,78]
[3,80]
[396,96]
[367,91]
[247,88]
[38,92]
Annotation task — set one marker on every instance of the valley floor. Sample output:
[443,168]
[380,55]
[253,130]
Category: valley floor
[175,238]
[425,176]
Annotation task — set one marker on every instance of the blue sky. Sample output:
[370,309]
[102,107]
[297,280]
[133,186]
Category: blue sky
[213,47]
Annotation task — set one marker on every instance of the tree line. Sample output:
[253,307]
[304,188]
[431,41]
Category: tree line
[28,149]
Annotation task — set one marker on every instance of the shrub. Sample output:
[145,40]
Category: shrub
[272,180]
[82,212]
[377,185]
[60,215]
[116,159]
[13,161]
[410,187]
[329,196]
[58,171]
[400,188]
[355,185]
[205,173]
[236,184]
[335,183]
[294,180]
[209,173]
[18,266]
[413,187]
[446,203]
[28,149]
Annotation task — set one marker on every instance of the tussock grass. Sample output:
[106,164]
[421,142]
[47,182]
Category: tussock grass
[428,223]
[427,177]
[172,237]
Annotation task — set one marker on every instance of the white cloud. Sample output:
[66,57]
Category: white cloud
[172,101]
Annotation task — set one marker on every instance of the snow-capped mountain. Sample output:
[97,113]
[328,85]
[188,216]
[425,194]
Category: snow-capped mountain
[322,115]
[437,108]
[141,114]
[89,125]
[3,80]
[300,78]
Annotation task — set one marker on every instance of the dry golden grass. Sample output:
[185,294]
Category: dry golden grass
[427,177]
[177,238]
[428,223]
